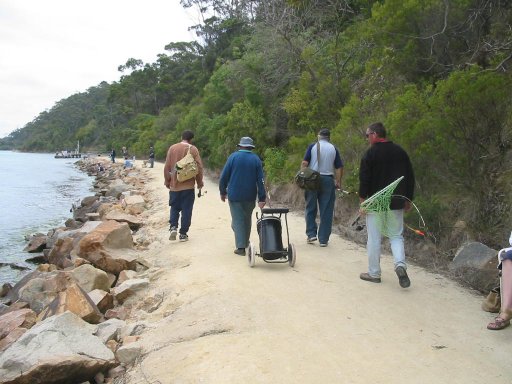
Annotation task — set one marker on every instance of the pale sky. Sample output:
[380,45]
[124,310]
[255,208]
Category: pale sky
[52,49]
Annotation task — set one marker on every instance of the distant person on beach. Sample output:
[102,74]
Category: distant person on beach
[128,164]
[241,182]
[125,153]
[181,194]
[383,163]
[113,155]
[503,319]
[100,167]
[151,157]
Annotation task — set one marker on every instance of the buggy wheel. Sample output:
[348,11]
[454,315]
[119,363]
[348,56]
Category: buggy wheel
[251,254]
[292,254]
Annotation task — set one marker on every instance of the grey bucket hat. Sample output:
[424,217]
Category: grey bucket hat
[246,142]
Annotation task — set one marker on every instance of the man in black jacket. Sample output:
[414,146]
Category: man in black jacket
[383,163]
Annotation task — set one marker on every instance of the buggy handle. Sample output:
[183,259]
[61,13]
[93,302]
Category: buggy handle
[275,210]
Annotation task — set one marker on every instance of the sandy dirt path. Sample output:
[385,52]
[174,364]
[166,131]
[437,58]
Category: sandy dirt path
[224,322]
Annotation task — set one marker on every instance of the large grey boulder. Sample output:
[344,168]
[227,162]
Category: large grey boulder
[73,299]
[133,221]
[36,243]
[88,201]
[13,324]
[110,330]
[117,188]
[61,349]
[128,353]
[129,288]
[102,299]
[80,213]
[60,254]
[109,247]
[475,264]
[90,278]
[135,204]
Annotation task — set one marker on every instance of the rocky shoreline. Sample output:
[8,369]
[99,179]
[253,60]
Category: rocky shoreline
[69,320]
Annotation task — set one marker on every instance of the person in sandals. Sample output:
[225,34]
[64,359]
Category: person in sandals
[503,319]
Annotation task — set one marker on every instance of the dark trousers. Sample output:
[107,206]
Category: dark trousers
[323,201]
[181,202]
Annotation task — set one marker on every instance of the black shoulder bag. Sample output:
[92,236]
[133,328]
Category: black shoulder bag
[308,178]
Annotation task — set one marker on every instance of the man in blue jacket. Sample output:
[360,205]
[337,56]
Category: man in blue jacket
[241,181]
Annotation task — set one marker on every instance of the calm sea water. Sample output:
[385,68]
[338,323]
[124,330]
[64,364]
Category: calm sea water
[36,195]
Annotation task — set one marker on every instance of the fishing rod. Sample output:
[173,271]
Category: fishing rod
[421,230]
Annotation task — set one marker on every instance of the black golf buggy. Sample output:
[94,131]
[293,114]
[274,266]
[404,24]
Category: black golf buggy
[271,242]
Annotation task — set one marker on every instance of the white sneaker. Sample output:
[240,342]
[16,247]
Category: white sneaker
[323,244]
[174,233]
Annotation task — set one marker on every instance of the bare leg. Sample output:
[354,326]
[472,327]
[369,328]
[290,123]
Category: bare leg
[506,289]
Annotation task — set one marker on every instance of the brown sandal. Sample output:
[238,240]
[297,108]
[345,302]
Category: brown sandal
[498,324]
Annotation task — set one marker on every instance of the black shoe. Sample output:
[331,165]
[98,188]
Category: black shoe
[240,251]
[403,279]
[311,240]
[366,277]
[183,237]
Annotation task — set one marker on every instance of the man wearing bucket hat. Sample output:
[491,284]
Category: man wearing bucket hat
[324,158]
[241,182]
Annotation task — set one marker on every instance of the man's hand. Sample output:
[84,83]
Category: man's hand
[223,197]
[407,206]
[362,211]
[261,204]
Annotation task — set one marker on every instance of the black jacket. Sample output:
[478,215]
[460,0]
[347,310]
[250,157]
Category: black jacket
[383,163]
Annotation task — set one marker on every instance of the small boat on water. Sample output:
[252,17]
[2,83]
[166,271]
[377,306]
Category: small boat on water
[69,154]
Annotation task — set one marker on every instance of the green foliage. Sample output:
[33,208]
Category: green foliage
[274,162]
[464,129]
[212,151]
[218,97]
[87,133]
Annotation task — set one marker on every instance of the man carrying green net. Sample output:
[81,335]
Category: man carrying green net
[386,189]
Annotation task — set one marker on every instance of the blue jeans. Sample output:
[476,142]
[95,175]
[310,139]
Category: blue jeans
[241,218]
[181,202]
[395,229]
[323,201]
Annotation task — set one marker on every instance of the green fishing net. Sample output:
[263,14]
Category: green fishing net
[378,204]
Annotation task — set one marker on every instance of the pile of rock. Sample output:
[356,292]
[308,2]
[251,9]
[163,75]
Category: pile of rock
[69,320]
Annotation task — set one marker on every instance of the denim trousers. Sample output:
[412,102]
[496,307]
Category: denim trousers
[395,229]
[241,218]
[181,202]
[320,201]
